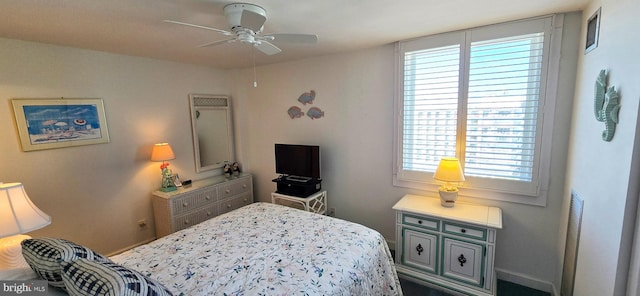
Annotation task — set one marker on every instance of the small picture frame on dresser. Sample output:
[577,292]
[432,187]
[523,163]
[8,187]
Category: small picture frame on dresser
[176,180]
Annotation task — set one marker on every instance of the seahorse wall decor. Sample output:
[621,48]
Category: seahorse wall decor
[606,105]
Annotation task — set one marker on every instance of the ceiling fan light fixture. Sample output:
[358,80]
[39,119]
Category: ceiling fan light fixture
[245,15]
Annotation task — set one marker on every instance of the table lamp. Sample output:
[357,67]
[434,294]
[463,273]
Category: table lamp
[450,172]
[163,152]
[18,215]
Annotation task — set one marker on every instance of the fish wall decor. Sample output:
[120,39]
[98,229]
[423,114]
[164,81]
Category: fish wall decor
[295,112]
[307,98]
[315,113]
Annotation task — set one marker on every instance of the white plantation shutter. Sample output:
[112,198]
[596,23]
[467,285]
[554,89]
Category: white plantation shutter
[480,98]
[430,109]
[502,107]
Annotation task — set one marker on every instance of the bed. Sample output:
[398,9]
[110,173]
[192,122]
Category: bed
[267,249]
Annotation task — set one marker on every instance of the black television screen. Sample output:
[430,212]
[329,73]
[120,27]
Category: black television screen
[298,160]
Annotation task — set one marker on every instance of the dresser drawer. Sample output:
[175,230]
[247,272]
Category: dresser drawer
[422,222]
[234,203]
[234,188]
[185,221]
[466,231]
[194,200]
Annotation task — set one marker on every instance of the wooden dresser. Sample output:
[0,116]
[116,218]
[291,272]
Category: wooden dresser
[202,200]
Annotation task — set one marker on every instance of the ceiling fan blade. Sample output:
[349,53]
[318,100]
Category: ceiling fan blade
[200,27]
[218,42]
[295,38]
[252,20]
[267,48]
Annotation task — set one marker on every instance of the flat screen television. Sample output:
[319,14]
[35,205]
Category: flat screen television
[298,160]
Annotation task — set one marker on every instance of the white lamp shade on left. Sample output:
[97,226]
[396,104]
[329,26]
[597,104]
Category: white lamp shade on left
[18,214]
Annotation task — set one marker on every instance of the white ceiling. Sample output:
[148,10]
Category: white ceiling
[135,27]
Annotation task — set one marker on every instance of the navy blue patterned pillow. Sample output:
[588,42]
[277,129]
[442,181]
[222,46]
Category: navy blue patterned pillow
[45,256]
[86,277]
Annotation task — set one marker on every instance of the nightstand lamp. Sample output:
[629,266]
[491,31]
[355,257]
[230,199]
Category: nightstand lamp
[18,215]
[450,172]
[163,152]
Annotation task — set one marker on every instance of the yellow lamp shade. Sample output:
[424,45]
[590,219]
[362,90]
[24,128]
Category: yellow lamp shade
[449,170]
[162,152]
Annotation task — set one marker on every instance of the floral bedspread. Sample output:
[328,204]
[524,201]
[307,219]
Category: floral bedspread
[266,249]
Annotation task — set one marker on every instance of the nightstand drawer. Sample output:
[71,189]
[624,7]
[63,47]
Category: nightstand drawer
[182,222]
[463,230]
[234,188]
[194,200]
[421,222]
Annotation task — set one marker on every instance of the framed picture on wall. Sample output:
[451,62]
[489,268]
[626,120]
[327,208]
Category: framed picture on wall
[593,28]
[59,123]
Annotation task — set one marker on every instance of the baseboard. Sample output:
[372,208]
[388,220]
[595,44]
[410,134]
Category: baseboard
[131,247]
[525,280]
[391,244]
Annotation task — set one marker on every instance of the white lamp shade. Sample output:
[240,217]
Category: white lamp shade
[449,170]
[162,152]
[18,214]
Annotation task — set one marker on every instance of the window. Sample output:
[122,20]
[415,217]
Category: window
[479,95]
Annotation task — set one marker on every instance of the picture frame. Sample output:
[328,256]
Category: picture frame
[176,180]
[593,31]
[59,123]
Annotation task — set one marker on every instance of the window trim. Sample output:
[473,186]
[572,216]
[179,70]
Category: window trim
[548,104]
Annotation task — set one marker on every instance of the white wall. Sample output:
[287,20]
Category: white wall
[96,194]
[356,91]
[603,173]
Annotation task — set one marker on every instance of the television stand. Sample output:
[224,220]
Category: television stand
[316,203]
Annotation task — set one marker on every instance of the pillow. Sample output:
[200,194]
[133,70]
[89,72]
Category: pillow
[86,277]
[45,256]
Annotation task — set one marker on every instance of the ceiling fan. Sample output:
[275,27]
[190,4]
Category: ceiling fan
[246,22]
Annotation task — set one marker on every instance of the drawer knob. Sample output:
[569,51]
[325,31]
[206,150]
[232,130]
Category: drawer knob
[419,221]
[228,206]
[462,260]
[207,197]
[186,222]
[244,185]
[186,204]
[209,213]
[227,191]
[463,230]
[419,249]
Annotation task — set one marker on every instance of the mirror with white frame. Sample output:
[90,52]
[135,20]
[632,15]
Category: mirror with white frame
[212,131]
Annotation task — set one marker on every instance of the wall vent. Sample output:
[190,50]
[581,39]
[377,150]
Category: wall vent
[210,101]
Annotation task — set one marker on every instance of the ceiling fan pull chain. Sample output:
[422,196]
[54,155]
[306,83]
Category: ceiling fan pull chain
[255,80]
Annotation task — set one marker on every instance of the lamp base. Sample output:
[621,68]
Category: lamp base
[168,189]
[448,198]
[11,252]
